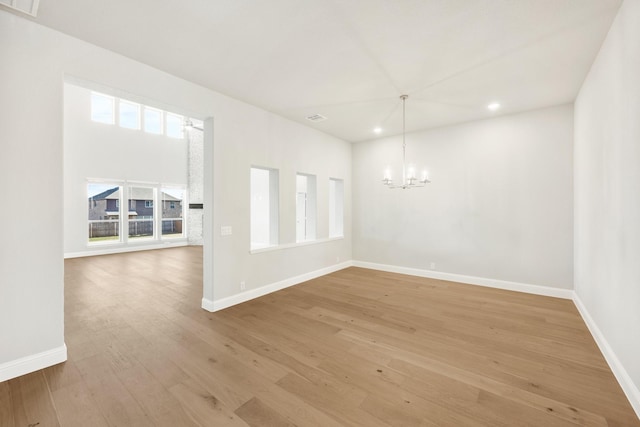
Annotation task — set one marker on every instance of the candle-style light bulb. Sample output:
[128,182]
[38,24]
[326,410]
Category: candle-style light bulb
[387,175]
[411,172]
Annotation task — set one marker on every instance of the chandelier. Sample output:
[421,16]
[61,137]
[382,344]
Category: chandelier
[409,177]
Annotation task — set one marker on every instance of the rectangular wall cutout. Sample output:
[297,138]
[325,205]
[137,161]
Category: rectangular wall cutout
[264,207]
[305,207]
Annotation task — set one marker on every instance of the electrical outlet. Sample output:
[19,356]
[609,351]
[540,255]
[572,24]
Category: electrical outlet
[337,259]
[432,266]
[226,230]
[243,285]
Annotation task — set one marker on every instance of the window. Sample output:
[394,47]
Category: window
[336,207]
[264,207]
[129,115]
[152,120]
[172,211]
[104,212]
[141,215]
[151,212]
[102,108]
[175,125]
[305,207]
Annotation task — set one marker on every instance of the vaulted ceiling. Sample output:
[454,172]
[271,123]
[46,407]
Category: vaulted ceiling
[350,60]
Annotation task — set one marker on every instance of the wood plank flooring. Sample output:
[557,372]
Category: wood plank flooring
[353,348]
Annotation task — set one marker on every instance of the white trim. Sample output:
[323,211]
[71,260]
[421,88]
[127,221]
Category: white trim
[267,289]
[32,363]
[208,305]
[471,280]
[118,248]
[624,379]
[295,245]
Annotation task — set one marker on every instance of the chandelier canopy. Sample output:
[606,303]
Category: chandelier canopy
[409,173]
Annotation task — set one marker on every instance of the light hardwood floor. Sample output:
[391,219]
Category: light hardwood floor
[356,347]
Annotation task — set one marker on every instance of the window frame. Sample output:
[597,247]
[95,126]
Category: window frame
[154,215]
[93,203]
[183,211]
[112,101]
[160,121]
[138,107]
[168,115]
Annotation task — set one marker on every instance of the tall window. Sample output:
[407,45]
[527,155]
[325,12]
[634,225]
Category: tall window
[141,213]
[104,212]
[102,108]
[129,115]
[172,203]
[264,207]
[152,120]
[305,207]
[336,207]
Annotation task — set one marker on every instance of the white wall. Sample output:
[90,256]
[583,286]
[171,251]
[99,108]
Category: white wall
[607,195]
[499,206]
[31,270]
[103,151]
[35,61]
[270,141]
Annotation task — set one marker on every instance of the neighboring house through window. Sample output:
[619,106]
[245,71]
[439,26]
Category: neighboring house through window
[105,224]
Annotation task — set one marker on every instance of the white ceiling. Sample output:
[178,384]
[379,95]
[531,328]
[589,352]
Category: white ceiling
[350,60]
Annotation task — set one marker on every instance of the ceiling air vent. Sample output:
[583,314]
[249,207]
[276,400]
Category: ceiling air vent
[316,118]
[30,7]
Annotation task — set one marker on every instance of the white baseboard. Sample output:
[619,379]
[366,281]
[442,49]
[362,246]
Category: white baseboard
[35,362]
[624,379]
[117,249]
[471,280]
[223,303]
[208,305]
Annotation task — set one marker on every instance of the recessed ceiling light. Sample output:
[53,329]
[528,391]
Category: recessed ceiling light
[377,129]
[493,106]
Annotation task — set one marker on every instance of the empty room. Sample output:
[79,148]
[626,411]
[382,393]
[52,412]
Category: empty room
[329,213]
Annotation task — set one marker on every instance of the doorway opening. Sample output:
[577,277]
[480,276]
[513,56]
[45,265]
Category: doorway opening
[134,173]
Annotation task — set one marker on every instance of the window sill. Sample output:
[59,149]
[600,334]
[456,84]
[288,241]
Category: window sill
[295,245]
[136,242]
